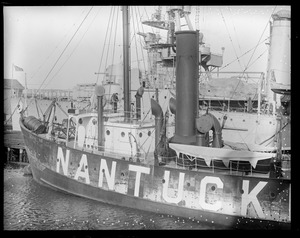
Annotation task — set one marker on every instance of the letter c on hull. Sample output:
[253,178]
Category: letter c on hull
[206,180]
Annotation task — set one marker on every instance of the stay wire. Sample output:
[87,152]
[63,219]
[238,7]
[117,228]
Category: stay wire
[140,41]
[247,66]
[74,48]
[114,44]
[134,34]
[103,49]
[236,35]
[49,56]
[230,39]
[65,48]
[62,53]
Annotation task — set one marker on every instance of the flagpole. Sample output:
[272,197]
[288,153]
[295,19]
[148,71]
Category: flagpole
[12,77]
[25,95]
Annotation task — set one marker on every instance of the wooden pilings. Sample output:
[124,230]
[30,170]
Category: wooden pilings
[15,147]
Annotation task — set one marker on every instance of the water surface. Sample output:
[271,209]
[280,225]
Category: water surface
[31,206]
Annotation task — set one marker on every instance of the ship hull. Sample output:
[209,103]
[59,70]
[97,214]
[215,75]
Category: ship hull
[207,197]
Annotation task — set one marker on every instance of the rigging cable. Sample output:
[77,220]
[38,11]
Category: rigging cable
[103,49]
[242,55]
[109,40]
[109,37]
[230,39]
[56,47]
[148,57]
[141,41]
[236,35]
[259,40]
[75,47]
[114,45]
[136,49]
[62,52]
[252,53]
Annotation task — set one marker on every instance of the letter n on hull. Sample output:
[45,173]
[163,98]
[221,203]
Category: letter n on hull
[61,160]
[110,177]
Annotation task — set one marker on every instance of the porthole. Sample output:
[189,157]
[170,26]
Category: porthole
[94,121]
[149,133]
[272,195]
[141,134]
[213,188]
[123,134]
[108,132]
[80,121]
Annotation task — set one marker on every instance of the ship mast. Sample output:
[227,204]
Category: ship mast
[126,62]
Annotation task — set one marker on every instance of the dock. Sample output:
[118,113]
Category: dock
[15,147]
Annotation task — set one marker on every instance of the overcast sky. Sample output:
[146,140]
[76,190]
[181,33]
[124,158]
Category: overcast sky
[35,37]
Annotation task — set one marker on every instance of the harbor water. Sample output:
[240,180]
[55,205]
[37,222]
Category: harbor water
[31,206]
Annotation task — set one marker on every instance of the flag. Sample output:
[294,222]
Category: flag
[17,68]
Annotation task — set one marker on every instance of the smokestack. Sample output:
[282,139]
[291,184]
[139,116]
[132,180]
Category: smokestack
[279,64]
[159,120]
[138,96]
[126,62]
[187,73]
[99,92]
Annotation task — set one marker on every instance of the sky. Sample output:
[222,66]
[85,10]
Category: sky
[38,39]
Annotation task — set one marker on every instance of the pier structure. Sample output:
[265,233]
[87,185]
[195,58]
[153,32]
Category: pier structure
[15,147]
[59,94]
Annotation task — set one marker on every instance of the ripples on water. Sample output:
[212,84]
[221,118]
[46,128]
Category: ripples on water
[30,206]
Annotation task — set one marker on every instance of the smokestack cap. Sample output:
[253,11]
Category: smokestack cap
[99,90]
[185,32]
[281,15]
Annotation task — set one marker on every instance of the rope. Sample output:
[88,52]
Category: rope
[236,34]
[247,66]
[258,41]
[230,38]
[56,47]
[104,45]
[62,53]
[114,44]
[274,134]
[241,55]
[75,47]
[141,41]
[136,49]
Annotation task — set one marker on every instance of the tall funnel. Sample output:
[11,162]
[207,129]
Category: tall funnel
[100,92]
[187,74]
[279,65]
